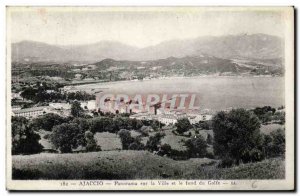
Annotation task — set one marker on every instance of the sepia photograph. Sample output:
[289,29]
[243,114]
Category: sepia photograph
[150,98]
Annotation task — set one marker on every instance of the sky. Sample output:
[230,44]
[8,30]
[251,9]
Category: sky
[140,27]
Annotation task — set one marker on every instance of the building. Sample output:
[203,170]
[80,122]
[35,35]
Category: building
[16,95]
[90,105]
[15,108]
[144,116]
[50,91]
[60,106]
[31,112]
[168,119]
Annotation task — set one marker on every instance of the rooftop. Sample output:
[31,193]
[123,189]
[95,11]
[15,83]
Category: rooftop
[30,109]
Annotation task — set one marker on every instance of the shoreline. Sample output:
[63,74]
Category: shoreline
[174,77]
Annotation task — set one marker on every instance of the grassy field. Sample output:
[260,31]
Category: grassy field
[135,165]
[108,141]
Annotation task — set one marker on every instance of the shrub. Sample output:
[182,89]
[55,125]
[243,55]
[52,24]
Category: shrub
[196,146]
[102,124]
[209,139]
[136,145]
[91,144]
[154,142]
[264,113]
[182,125]
[47,121]
[24,140]
[210,155]
[274,144]
[76,109]
[237,136]
[206,125]
[165,149]
[126,138]
[145,130]
[67,136]
[179,155]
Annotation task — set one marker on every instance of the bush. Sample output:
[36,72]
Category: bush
[130,143]
[154,142]
[179,155]
[24,140]
[182,125]
[76,109]
[91,144]
[126,138]
[206,125]
[226,162]
[209,139]
[264,113]
[66,137]
[237,136]
[145,130]
[102,124]
[210,155]
[165,149]
[196,146]
[274,144]
[136,145]
[47,121]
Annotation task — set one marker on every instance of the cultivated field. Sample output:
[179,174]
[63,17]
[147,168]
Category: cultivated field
[135,165]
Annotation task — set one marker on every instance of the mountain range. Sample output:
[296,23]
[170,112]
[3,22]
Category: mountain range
[255,46]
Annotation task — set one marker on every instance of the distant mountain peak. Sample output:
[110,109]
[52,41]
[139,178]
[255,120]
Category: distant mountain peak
[255,46]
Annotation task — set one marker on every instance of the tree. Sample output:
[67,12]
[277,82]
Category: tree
[206,125]
[76,109]
[136,144]
[102,124]
[66,137]
[91,144]
[274,144]
[182,125]
[196,146]
[122,123]
[237,136]
[24,140]
[47,121]
[278,138]
[29,93]
[154,142]
[136,124]
[83,124]
[126,138]
[209,139]
[165,149]
[264,113]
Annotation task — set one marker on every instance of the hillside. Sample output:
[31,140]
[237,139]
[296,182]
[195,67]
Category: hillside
[257,46]
[191,66]
[136,165]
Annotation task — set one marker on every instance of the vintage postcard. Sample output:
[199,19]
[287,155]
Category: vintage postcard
[150,98]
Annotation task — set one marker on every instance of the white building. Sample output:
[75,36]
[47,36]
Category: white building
[31,112]
[167,119]
[144,116]
[90,105]
[15,108]
[60,106]
[16,95]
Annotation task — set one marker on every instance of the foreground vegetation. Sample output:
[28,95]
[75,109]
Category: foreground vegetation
[231,146]
[136,165]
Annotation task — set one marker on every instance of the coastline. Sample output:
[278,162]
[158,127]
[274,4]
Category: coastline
[173,78]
